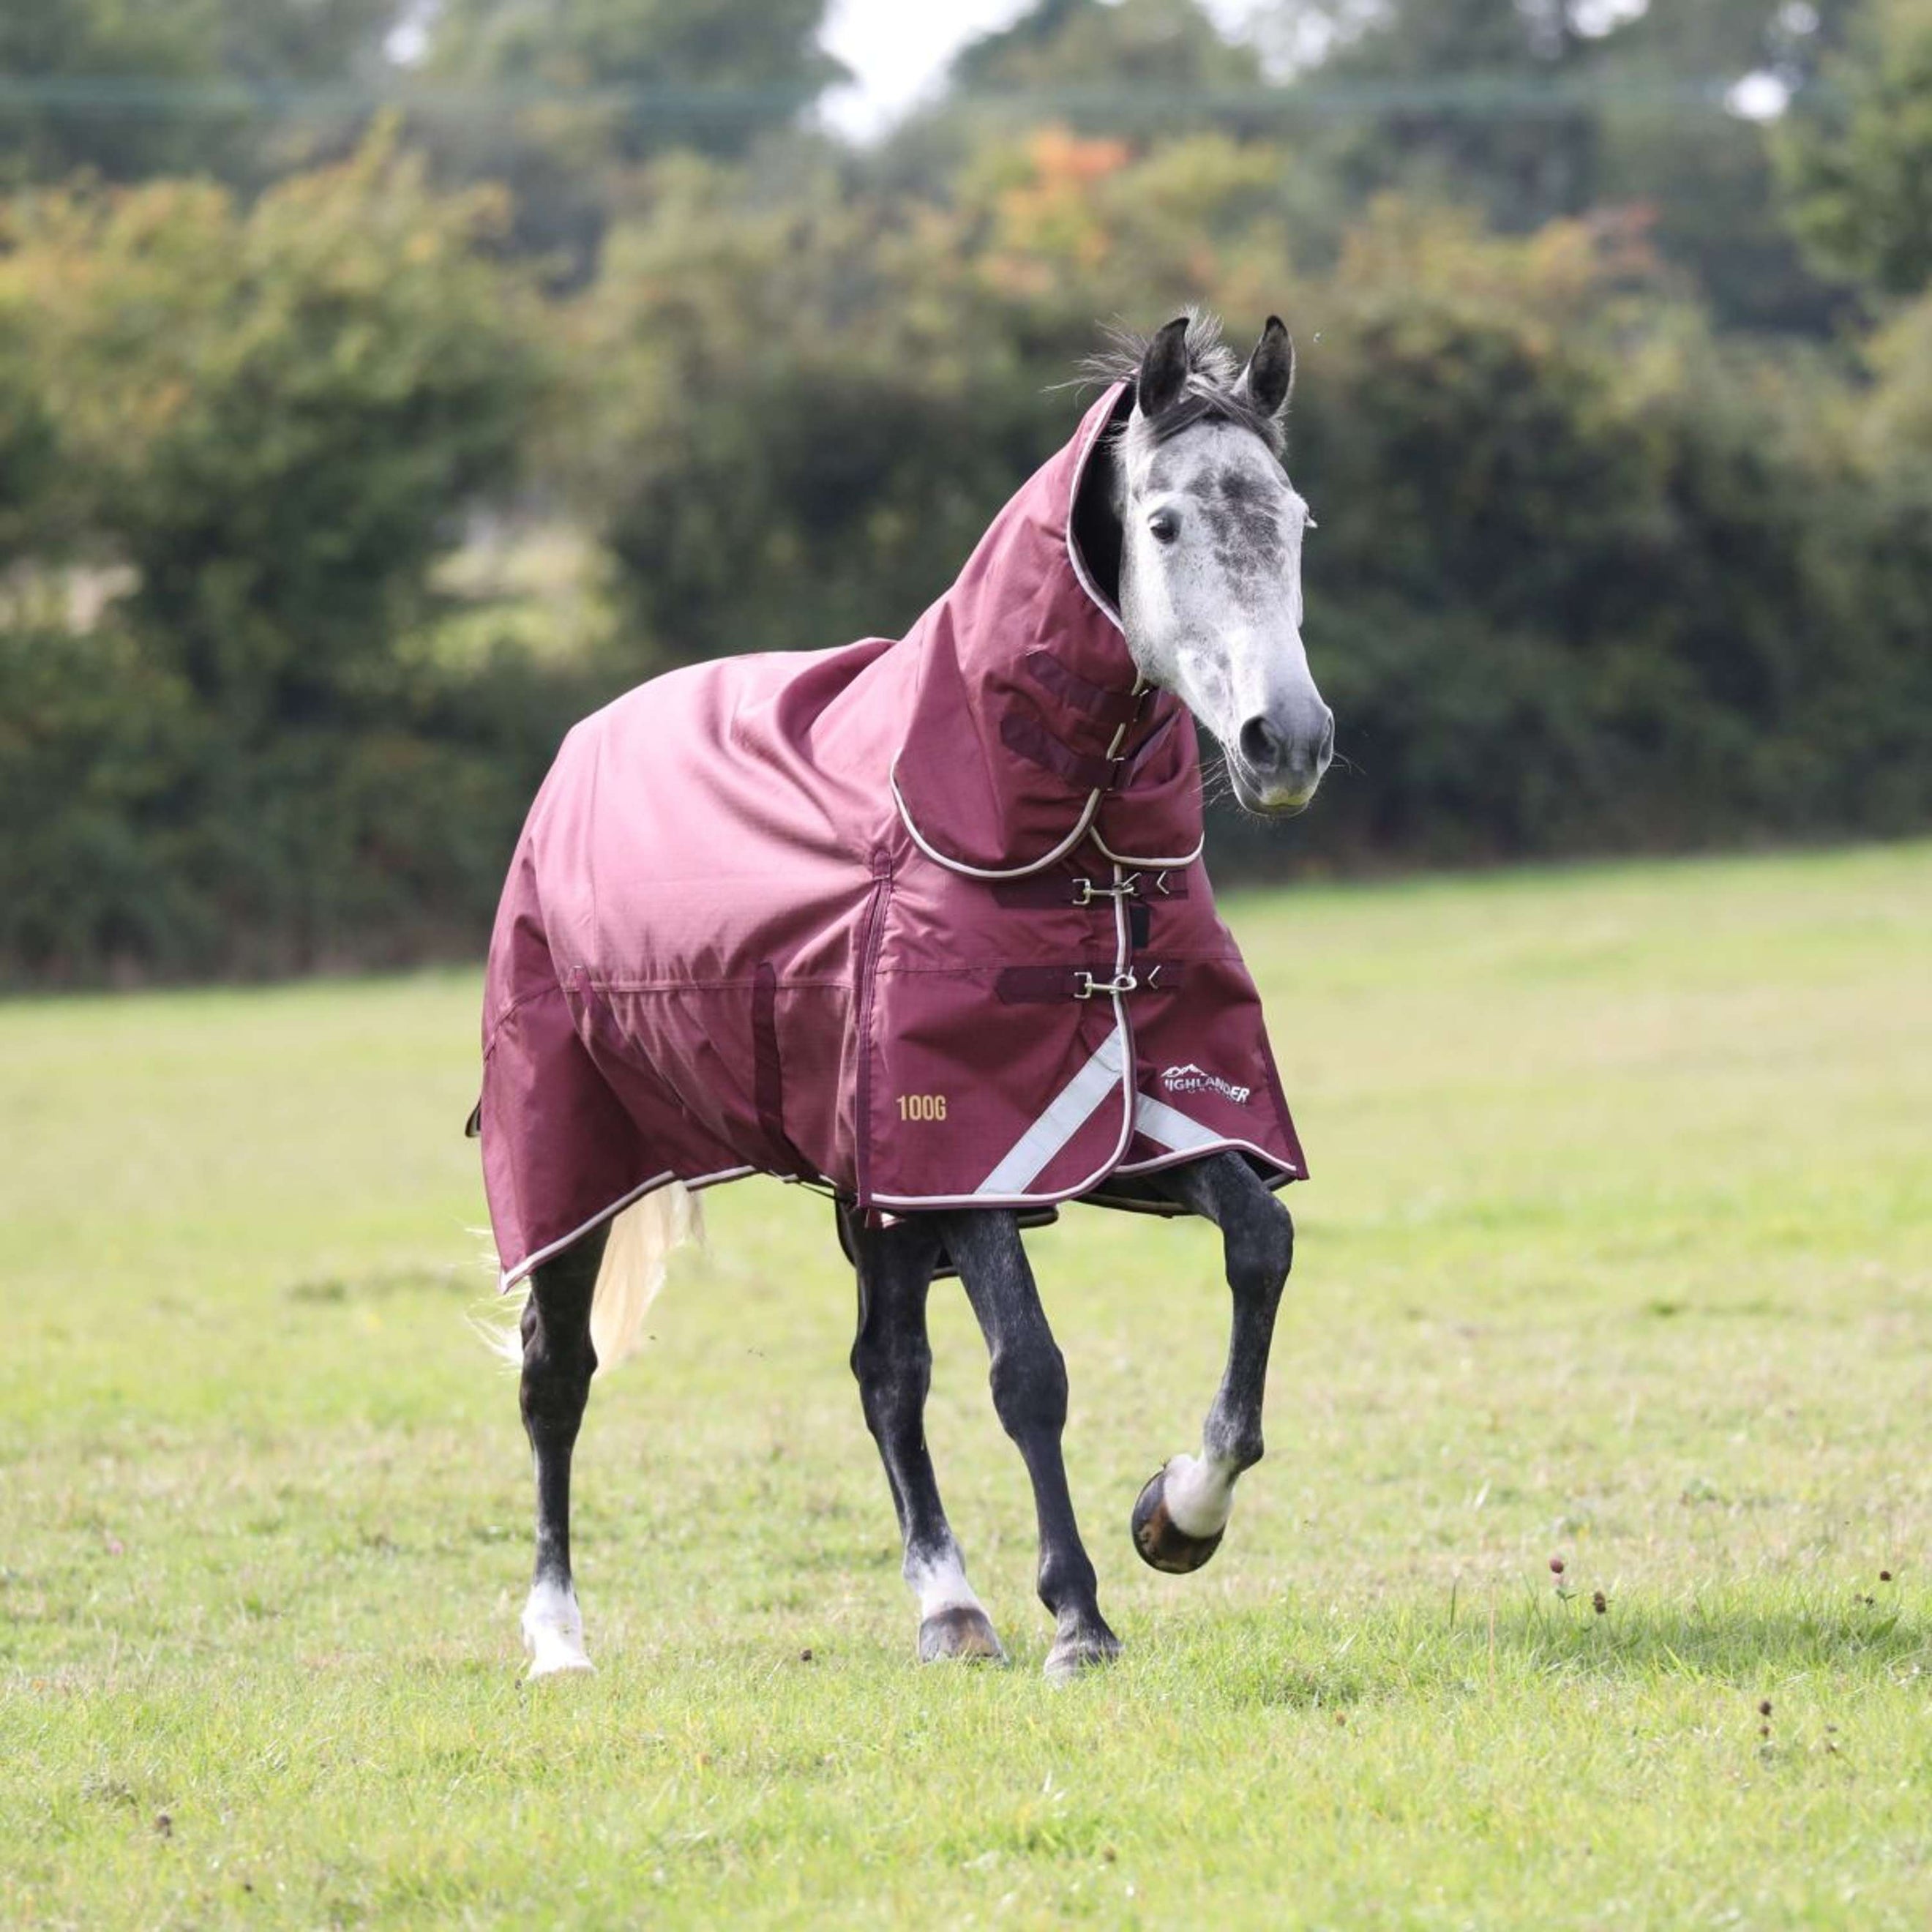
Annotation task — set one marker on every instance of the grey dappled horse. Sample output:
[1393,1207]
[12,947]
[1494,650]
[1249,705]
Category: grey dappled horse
[1190,516]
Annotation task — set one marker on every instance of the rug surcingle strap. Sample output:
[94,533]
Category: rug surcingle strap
[768,1072]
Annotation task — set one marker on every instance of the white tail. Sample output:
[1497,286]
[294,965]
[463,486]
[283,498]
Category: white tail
[639,1248]
[642,1240]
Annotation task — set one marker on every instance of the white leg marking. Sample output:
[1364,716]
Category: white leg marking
[553,1630]
[938,1580]
[1199,1491]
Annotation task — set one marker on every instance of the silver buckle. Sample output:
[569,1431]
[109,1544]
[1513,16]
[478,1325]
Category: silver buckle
[1086,985]
[1085,891]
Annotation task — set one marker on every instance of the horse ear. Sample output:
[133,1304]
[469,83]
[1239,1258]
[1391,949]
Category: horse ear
[1163,370]
[1269,378]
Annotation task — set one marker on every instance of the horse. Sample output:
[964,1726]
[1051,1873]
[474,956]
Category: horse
[923,922]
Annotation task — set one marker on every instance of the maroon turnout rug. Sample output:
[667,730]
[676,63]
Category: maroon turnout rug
[924,920]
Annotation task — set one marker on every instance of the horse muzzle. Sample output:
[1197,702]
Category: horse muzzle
[1277,760]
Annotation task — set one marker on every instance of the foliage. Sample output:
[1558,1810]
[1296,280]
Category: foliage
[277,411]
[618,81]
[1112,66]
[775,383]
[1896,411]
[1598,568]
[1586,575]
[671,47]
[74,40]
[1521,170]
[150,834]
[88,79]
[1531,111]
[267,421]
[1705,180]
[1859,170]
[28,472]
[807,407]
[1580,578]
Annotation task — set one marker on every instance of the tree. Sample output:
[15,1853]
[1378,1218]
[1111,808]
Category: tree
[1857,166]
[271,419]
[614,83]
[1704,174]
[804,406]
[1128,65]
[48,47]
[708,74]
[28,472]
[788,438]
[271,416]
[1509,141]
[1535,109]
[125,92]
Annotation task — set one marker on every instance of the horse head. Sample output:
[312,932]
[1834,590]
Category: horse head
[1206,540]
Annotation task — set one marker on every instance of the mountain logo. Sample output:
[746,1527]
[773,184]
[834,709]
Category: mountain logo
[1192,1079]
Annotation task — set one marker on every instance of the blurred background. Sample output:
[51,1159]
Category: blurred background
[384,383]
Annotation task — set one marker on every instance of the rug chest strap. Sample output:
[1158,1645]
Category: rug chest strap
[1022,985]
[1066,888]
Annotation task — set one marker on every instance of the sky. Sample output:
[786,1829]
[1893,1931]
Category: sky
[896,48]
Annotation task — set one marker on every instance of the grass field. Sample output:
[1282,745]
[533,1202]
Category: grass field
[1616,1252]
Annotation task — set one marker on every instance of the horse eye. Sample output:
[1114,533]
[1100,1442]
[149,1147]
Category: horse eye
[1165,526]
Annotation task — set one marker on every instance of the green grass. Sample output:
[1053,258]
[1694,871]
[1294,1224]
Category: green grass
[1616,1250]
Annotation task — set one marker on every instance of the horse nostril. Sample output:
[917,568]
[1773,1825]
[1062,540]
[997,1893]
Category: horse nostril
[1328,750]
[1261,745]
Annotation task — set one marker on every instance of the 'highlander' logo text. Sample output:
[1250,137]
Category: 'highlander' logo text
[1191,1079]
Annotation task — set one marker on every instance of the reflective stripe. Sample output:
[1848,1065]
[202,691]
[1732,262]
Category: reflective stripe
[1169,1127]
[1069,1110]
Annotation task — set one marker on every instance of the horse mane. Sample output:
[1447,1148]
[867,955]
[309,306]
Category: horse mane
[1210,393]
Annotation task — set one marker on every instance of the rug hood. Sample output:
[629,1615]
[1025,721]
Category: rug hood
[1029,722]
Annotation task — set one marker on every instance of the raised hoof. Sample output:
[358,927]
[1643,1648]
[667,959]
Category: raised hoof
[1162,1545]
[557,1664]
[554,1656]
[1078,1651]
[962,1631]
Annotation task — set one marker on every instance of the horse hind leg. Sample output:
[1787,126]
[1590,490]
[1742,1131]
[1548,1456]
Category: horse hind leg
[559,1361]
[892,1360]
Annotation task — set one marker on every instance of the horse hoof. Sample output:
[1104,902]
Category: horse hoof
[1079,1652]
[553,1639]
[1162,1545]
[962,1630]
[555,1659]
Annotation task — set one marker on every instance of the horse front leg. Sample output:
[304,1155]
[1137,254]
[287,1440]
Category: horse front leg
[1182,1514]
[892,1360]
[1029,1382]
[558,1364]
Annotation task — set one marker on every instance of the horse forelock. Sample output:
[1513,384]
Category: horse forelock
[1211,393]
